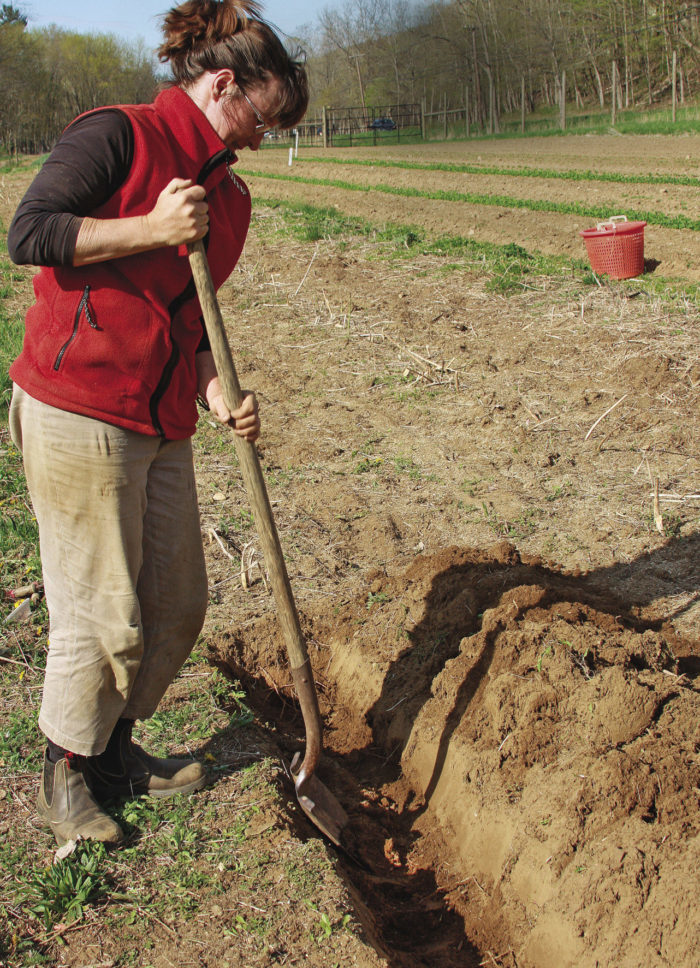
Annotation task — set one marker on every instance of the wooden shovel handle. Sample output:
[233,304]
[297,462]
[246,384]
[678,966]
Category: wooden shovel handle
[250,465]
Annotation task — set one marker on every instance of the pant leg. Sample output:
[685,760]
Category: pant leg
[172,586]
[88,485]
[122,562]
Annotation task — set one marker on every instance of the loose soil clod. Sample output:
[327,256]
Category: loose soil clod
[525,751]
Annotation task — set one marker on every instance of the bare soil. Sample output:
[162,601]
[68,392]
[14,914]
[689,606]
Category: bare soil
[503,626]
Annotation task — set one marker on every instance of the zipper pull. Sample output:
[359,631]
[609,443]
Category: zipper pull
[85,304]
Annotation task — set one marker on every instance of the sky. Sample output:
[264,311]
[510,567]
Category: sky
[140,18]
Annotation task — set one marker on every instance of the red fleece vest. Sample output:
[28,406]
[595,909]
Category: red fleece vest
[116,340]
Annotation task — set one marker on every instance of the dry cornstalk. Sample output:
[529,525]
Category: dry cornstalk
[215,535]
[609,410]
[658,520]
[308,270]
[251,562]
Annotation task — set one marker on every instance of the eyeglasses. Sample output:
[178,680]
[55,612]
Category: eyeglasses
[262,124]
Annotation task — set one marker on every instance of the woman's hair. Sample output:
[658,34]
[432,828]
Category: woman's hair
[208,35]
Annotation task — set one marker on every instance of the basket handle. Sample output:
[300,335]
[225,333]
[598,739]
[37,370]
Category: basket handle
[612,222]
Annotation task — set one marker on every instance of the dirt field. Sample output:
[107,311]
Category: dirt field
[671,253]
[504,633]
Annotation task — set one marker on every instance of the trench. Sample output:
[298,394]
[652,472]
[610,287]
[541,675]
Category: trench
[492,724]
[405,913]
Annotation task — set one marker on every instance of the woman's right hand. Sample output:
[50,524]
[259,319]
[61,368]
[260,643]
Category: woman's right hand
[180,215]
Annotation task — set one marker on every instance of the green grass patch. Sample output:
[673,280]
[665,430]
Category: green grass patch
[310,223]
[11,164]
[19,536]
[511,267]
[19,550]
[11,327]
[501,201]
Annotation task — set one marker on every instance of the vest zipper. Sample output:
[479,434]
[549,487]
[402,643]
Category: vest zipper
[84,305]
[189,292]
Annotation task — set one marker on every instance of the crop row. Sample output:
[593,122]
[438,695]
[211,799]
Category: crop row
[502,201]
[471,169]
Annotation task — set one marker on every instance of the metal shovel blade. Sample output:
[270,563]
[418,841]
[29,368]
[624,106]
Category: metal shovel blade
[318,803]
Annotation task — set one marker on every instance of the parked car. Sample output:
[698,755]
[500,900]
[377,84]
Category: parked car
[382,124]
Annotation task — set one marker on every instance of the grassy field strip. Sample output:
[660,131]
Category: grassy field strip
[508,262]
[501,201]
[571,175]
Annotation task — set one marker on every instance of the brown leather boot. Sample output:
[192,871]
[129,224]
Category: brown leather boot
[126,770]
[68,805]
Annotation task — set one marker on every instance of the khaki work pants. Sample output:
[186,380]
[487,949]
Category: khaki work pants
[123,567]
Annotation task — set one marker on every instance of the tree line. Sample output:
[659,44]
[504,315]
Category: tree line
[373,52]
[491,54]
[48,76]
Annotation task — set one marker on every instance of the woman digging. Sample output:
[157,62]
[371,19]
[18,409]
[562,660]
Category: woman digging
[105,388]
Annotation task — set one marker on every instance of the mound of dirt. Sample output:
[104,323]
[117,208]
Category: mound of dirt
[510,729]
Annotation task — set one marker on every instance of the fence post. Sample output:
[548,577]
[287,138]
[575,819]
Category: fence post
[562,103]
[325,127]
[522,104]
[613,98]
[466,109]
[444,117]
[422,118]
[674,85]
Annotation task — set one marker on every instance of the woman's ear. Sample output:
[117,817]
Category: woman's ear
[224,81]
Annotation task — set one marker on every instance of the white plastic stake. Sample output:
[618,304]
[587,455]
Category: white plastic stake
[291,152]
[296,142]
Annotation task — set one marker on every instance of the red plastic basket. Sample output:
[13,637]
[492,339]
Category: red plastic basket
[616,247]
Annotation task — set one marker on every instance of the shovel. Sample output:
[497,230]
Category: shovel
[317,802]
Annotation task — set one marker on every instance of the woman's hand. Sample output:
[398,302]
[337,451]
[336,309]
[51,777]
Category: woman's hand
[245,421]
[180,215]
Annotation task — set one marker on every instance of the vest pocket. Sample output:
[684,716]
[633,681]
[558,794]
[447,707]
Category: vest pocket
[82,310]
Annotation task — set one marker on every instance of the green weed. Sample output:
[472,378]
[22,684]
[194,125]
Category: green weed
[21,743]
[367,464]
[521,527]
[306,866]
[62,891]
[19,536]
[405,465]
[220,706]
[547,651]
[232,698]
[376,597]
[672,523]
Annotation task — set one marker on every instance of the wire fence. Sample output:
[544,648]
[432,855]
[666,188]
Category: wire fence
[348,126]
[405,123]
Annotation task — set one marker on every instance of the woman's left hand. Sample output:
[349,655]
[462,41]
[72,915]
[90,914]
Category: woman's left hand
[245,421]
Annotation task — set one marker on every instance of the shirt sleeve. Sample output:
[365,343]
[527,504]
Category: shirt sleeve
[90,161]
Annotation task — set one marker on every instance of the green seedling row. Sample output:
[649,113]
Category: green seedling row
[471,169]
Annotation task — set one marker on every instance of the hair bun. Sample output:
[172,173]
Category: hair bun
[201,23]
